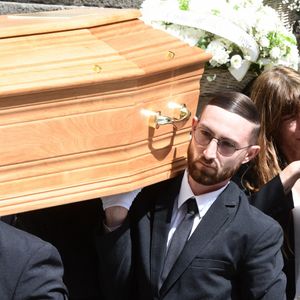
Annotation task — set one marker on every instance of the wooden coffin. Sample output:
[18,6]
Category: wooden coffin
[85,94]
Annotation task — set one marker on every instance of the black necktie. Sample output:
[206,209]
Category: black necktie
[180,237]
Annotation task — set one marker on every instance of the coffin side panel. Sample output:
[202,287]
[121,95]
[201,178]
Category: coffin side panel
[72,103]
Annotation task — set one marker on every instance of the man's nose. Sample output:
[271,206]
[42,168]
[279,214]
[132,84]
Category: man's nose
[211,149]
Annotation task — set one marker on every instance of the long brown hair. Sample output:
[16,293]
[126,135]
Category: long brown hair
[276,93]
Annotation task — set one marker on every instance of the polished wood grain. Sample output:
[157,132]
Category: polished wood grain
[71,102]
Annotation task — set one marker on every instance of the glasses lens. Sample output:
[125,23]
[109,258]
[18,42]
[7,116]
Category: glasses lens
[226,148]
[202,137]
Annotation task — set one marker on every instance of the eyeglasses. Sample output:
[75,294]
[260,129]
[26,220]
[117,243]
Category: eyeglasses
[224,147]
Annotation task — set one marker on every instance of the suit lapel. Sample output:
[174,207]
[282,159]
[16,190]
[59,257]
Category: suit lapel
[162,218]
[216,217]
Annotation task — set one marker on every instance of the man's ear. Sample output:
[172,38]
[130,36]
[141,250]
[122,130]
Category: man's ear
[195,121]
[251,153]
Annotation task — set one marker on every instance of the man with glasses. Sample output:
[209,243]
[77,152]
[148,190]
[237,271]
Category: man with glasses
[196,236]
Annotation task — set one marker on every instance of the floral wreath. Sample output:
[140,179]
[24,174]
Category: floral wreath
[240,34]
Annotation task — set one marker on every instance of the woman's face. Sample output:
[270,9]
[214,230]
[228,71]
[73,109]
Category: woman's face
[289,137]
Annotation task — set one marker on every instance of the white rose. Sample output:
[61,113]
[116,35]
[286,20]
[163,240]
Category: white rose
[219,58]
[275,52]
[219,53]
[236,61]
[264,42]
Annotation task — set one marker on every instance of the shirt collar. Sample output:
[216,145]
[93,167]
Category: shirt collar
[203,201]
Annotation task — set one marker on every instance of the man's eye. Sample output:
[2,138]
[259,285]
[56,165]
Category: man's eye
[227,144]
[205,133]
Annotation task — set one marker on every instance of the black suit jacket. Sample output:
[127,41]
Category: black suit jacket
[29,267]
[272,200]
[234,252]
[71,229]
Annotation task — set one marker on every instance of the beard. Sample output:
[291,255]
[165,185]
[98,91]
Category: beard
[206,172]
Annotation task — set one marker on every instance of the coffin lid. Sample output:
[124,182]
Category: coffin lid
[52,50]
[80,92]
[60,20]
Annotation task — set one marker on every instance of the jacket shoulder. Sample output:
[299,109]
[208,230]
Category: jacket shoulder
[246,212]
[19,245]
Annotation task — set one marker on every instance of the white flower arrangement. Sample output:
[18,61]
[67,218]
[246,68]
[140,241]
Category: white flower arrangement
[292,4]
[240,34]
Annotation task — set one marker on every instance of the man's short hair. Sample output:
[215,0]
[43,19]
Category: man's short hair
[239,104]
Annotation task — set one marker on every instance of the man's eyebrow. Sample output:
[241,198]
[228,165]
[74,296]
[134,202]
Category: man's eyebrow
[227,139]
[202,126]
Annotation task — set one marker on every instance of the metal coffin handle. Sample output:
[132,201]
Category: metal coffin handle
[156,119]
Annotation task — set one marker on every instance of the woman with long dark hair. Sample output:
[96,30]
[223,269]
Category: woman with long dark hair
[272,180]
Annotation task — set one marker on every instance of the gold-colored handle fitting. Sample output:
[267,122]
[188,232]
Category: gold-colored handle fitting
[156,119]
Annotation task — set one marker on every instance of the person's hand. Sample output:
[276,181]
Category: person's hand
[289,175]
[116,208]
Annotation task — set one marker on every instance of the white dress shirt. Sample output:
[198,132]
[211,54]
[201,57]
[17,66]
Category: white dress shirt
[204,202]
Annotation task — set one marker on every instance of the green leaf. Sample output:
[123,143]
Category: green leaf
[215,12]
[184,4]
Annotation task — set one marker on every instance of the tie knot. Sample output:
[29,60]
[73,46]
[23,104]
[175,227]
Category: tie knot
[192,207]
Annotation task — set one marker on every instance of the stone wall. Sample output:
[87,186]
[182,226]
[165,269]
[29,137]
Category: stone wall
[22,6]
